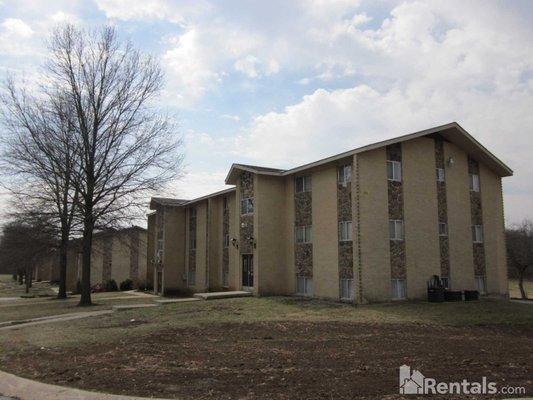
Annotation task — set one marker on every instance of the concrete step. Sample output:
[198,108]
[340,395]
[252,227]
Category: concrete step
[171,301]
[222,295]
[133,306]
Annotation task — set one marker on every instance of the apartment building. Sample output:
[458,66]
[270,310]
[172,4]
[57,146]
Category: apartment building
[371,224]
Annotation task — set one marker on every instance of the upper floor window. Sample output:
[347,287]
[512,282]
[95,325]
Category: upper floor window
[302,234]
[394,171]
[395,229]
[477,233]
[344,174]
[193,212]
[440,174]
[474,182]
[345,231]
[302,184]
[226,240]
[225,202]
[247,206]
[443,229]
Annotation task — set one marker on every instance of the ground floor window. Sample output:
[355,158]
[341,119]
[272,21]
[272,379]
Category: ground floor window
[304,285]
[399,291]
[445,282]
[480,283]
[347,289]
[191,278]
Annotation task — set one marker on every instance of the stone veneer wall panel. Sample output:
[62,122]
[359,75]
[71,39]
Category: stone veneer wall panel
[344,213]
[303,216]
[247,220]
[192,252]
[134,255]
[477,219]
[444,245]
[395,205]
[225,231]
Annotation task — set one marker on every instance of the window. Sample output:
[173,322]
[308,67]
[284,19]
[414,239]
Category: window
[247,206]
[226,240]
[443,229]
[304,286]
[396,229]
[303,234]
[394,171]
[477,233]
[193,212]
[474,182]
[192,240]
[398,289]
[191,278]
[445,282]
[440,174]
[225,279]
[302,184]
[480,283]
[346,289]
[225,202]
[344,174]
[345,231]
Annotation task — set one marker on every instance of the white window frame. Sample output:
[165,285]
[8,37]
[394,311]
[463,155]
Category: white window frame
[394,173]
[398,292]
[474,182]
[346,285]
[345,231]
[302,184]
[226,240]
[344,174]
[477,233]
[307,286]
[440,175]
[398,230]
[481,284]
[306,234]
[247,206]
[445,225]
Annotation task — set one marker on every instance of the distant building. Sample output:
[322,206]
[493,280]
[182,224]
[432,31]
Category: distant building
[371,224]
[116,254]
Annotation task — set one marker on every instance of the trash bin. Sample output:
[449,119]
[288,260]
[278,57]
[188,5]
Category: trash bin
[471,295]
[453,295]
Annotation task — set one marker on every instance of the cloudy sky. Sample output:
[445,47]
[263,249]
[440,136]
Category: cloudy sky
[281,83]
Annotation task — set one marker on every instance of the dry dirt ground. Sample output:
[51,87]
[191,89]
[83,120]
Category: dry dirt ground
[279,348]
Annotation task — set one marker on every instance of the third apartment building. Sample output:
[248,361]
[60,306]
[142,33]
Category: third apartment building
[371,224]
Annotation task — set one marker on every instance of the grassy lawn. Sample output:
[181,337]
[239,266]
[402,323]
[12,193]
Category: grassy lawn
[277,348]
[11,288]
[514,290]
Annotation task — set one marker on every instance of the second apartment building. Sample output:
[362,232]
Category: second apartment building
[371,224]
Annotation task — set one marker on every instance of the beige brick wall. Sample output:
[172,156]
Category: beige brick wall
[373,228]
[150,250]
[216,210]
[420,215]
[201,247]
[288,231]
[493,230]
[234,275]
[459,218]
[120,258]
[324,234]
[174,249]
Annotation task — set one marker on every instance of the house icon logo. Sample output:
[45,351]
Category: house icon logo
[411,382]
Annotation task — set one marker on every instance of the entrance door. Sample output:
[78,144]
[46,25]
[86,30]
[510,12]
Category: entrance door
[247,271]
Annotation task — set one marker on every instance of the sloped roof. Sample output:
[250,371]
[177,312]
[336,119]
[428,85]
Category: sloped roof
[166,201]
[453,132]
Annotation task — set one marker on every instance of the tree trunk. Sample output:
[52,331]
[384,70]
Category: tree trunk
[521,285]
[63,249]
[87,239]
[27,280]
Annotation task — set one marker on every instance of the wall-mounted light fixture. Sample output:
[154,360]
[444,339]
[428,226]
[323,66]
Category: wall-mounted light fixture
[451,161]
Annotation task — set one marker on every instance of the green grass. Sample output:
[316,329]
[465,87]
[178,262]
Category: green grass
[514,290]
[117,326]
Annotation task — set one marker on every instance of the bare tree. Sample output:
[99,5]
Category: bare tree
[125,147]
[520,251]
[39,159]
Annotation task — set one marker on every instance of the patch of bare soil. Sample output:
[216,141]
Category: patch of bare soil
[285,360]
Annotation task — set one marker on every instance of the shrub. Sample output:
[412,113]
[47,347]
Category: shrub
[126,285]
[99,287]
[111,286]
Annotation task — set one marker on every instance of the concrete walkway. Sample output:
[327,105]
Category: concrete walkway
[25,389]
[222,295]
[53,318]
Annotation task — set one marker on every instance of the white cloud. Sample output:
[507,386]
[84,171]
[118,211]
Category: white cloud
[235,118]
[14,36]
